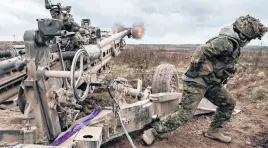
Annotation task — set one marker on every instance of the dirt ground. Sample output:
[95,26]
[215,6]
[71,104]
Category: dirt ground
[248,128]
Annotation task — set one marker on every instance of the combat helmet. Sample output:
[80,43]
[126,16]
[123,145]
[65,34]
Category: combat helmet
[250,27]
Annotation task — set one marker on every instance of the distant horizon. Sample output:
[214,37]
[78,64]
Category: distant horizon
[147,43]
[19,38]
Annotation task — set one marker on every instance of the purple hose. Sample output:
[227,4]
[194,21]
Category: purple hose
[76,128]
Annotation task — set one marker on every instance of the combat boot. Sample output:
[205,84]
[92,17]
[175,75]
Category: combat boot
[217,135]
[150,136]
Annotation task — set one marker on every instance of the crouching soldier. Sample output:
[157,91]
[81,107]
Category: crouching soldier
[211,65]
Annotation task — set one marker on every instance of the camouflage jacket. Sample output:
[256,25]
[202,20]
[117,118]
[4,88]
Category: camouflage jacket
[214,61]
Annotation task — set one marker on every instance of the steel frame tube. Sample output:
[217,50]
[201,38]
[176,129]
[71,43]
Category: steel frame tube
[60,74]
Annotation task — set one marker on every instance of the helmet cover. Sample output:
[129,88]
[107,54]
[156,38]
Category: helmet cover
[250,27]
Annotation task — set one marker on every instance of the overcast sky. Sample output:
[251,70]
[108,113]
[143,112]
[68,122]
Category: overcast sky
[166,21]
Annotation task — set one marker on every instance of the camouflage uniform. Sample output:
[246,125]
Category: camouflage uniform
[204,78]
[211,65]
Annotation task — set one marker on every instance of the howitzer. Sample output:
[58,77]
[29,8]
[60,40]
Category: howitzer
[11,72]
[12,51]
[64,66]
[52,92]
[82,72]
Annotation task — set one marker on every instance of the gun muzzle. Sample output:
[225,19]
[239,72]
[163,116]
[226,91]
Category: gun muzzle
[136,31]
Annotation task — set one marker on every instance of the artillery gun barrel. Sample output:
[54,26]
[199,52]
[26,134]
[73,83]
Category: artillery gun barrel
[96,51]
[114,37]
[16,63]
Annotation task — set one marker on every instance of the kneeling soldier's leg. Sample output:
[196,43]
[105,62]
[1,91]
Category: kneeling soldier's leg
[192,95]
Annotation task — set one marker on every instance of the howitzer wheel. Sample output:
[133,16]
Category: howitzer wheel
[79,94]
[165,79]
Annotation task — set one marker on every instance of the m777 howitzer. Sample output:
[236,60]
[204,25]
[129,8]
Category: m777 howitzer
[53,95]
[52,53]
[64,65]
[11,73]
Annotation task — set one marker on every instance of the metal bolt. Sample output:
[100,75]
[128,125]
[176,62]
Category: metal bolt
[28,126]
[28,123]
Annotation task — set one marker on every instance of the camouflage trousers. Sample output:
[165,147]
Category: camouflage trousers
[192,95]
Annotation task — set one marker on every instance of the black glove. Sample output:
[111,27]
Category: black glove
[232,70]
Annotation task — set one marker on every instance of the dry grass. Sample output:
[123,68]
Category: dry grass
[4,44]
[143,57]
[255,59]
[260,93]
[139,62]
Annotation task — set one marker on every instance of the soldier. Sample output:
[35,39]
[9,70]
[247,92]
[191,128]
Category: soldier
[211,65]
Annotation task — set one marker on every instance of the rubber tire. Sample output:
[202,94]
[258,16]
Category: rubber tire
[162,78]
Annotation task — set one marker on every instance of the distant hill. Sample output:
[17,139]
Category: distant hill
[156,46]
[194,46]
[4,44]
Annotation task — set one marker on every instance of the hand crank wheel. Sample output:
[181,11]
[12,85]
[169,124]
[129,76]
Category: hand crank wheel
[79,83]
